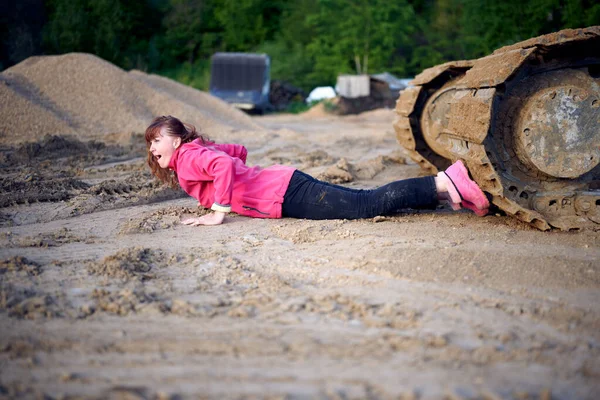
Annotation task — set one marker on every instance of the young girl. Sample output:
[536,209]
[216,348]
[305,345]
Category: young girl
[218,177]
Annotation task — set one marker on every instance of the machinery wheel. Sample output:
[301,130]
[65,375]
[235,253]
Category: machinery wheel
[526,122]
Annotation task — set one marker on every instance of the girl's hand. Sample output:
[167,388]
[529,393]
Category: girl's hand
[214,218]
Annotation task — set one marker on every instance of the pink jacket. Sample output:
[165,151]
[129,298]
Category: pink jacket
[218,177]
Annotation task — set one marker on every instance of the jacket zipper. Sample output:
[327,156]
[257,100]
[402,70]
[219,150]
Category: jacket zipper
[254,209]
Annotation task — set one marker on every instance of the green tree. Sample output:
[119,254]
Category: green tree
[488,24]
[83,25]
[116,30]
[68,26]
[310,41]
[359,36]
[580,13]
[439,35]
[290,59]
[183,29]
[242,23]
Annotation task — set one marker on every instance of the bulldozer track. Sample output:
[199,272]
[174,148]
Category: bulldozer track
[499,115]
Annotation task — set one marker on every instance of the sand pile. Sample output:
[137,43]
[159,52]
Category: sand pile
[320,109]
[83,95]
[186,103]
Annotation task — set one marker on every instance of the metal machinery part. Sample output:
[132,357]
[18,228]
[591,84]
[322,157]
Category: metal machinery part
[525,120]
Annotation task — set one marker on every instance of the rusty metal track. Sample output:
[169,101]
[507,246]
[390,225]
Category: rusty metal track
[525,121]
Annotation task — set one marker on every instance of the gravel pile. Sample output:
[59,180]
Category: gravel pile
[83,95]
[190,104]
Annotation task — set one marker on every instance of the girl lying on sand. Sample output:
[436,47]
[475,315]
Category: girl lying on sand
[218,177]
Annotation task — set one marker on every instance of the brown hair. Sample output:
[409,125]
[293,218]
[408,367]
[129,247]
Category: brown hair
[173,127]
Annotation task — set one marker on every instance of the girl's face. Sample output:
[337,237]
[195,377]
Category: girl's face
[162,148]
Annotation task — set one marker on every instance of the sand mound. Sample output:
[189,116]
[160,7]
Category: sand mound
[186,103]
[129,263]
[20,264]
[316,111]
[83,95]
[163,218]
[324,108]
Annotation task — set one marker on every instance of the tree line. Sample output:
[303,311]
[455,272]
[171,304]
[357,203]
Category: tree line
[310,42]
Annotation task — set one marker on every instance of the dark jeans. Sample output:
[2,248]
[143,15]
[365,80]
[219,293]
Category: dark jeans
[307,197]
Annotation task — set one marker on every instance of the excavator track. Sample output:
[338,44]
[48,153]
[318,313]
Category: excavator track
[524,119]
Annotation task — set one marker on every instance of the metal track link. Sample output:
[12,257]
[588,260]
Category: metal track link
[480,111]
[405,106]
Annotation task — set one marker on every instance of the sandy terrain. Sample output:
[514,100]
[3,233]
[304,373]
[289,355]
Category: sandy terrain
[104,294]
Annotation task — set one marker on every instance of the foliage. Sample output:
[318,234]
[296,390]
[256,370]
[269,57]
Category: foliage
[372,31]
[195,74]
[116,30]
[297,107]
[183,37]
[310,42]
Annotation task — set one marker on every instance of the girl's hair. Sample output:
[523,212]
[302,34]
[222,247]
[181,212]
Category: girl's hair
[173,127]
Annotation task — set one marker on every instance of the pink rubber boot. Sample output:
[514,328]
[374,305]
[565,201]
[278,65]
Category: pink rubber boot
[463,190]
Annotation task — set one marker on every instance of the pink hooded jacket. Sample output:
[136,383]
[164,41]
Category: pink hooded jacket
[218,177]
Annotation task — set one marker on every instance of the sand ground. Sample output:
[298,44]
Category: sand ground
[104,294]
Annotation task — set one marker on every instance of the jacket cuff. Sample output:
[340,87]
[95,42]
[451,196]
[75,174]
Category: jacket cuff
[221,208]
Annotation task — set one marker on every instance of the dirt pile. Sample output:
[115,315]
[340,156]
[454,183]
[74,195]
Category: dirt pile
[48,239]
[320,110]
[124,301]
[129,264]
[189,104]
[52,147]
[83,95]
[28,188]
[160,219]
[20,265]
